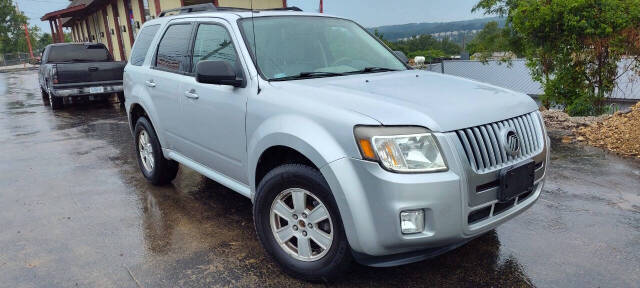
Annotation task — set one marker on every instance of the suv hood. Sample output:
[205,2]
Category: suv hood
[413,97]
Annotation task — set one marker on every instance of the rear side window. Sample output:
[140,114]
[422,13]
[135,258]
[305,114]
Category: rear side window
[78,53]
[213,42]
[173,48]
[143,42]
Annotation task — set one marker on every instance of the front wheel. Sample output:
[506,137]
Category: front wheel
[157,169]
[298,223]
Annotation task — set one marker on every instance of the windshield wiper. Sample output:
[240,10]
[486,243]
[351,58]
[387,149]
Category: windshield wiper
[372,70]
[307,75]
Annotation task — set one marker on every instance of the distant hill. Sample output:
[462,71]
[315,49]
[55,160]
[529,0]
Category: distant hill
[395,32]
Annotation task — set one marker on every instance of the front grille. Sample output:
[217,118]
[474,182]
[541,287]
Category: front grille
[482,144]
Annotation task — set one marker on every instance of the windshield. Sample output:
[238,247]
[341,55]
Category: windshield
[78,53]
[295,47]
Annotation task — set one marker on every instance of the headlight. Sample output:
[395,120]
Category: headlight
[400,149]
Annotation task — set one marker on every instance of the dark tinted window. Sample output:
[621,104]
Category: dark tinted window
[213,43]
[78,53]
[142,44]
[173,48]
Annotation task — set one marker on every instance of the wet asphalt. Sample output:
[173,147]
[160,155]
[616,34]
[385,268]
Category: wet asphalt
[76,212]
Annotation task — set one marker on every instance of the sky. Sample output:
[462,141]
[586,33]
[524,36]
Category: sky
[369,13]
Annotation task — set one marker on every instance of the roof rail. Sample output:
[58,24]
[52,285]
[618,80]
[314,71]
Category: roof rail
[190,9]
[289,8]
[211,7]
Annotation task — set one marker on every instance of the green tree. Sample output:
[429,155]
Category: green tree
[12,36]
[573,46]
[422,43]
[493,38]
[11,27]
[44,40]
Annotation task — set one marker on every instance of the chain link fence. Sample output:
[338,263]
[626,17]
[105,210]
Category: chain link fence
[10,59]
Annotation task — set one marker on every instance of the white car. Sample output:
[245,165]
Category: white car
[346,152]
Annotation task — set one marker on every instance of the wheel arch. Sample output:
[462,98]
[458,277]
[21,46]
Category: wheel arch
[296,138]
[138,109]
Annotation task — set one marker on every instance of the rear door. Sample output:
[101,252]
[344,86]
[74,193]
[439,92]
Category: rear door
[170,68]
[213,116]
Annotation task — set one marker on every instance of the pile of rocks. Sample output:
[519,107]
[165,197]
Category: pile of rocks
[558,120]
[619,132]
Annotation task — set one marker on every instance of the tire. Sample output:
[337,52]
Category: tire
[45,95]
[162,170]
[56,102]
[120,97]
[294,178]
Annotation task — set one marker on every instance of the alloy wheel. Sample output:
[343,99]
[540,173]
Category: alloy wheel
[301,224]
[146,151]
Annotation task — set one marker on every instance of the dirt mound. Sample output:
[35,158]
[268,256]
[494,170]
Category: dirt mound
[558,120]
[619,133]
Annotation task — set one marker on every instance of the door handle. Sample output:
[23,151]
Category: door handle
[150,83]
[191,94]
[93,69]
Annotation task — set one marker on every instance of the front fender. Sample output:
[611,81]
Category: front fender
[304,135]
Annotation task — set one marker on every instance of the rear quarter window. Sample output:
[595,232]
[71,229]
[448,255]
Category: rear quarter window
[174,47]
[142,44]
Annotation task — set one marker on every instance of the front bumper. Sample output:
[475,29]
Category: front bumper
[370,200]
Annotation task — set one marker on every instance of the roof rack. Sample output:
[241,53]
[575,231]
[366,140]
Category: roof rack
[190,9]
[289,8]
[211,7]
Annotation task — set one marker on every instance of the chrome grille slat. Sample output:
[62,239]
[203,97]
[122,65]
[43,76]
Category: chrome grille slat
[525,138]
[483,149]
[536,139]
[489,145]
[525,135]
[476,149]
[530,134]
[467,149]
[483,145]
[494,143]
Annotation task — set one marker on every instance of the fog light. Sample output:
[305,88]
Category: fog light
[412,221]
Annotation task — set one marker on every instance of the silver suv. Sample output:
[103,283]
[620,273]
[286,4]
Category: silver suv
[345,151]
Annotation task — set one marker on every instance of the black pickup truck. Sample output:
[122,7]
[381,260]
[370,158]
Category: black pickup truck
[74,72]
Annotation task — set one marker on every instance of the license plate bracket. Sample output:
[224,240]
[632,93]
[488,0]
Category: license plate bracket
[95,90]
[516,180]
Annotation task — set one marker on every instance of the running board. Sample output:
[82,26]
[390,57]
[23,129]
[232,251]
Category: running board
[213,175]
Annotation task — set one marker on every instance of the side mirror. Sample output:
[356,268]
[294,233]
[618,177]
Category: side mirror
[402,57]
[217,72]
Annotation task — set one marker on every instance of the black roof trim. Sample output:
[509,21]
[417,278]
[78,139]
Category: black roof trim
[209,7]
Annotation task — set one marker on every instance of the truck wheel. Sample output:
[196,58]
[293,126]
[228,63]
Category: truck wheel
[56,102]
[45,95]
[120,97]
[157,169]
[298,223]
